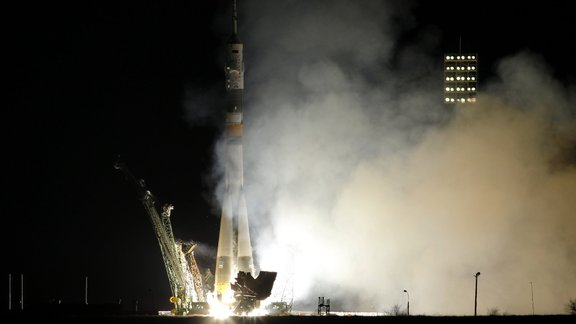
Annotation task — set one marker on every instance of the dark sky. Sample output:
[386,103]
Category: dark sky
[87,82]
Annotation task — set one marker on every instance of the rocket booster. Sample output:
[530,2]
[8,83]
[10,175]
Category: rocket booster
[234,246]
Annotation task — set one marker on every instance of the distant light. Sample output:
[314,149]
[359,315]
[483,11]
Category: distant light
[469,57]
[473,68]
[452,99]
[447,79]
[473,78]
[473,57]
[447,99]
[448,57]
[473,89]
[447,88]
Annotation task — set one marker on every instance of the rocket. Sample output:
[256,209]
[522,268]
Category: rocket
[234,246]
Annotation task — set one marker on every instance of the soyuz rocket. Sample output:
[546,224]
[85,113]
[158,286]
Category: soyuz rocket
[234,246]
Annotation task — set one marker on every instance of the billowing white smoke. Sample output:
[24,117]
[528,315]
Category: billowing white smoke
[361,183]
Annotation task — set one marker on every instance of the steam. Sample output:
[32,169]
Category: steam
[360,183]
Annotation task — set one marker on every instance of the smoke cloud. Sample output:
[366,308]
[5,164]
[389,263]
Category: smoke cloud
[361,183]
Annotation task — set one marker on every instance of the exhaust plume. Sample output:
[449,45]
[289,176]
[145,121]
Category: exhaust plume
[361,183]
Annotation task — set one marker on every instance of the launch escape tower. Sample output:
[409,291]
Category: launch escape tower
[460,78]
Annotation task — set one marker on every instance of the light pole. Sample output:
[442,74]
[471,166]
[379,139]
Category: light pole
[408,304]
[476,293]
[532,293]
[86,291]
[9,291]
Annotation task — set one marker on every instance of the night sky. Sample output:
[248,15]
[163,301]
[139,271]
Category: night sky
[90,81]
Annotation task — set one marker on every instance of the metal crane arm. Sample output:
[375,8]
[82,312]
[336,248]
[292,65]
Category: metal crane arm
[168,247]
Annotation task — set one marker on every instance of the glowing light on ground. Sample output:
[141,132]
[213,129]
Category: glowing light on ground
[259,311]
[220,309]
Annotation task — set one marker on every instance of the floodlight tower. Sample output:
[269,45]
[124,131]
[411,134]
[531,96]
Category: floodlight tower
[460,78]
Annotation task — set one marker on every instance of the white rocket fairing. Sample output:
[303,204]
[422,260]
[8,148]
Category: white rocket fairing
[234,246]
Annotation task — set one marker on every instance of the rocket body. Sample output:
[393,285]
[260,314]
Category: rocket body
[234,246]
